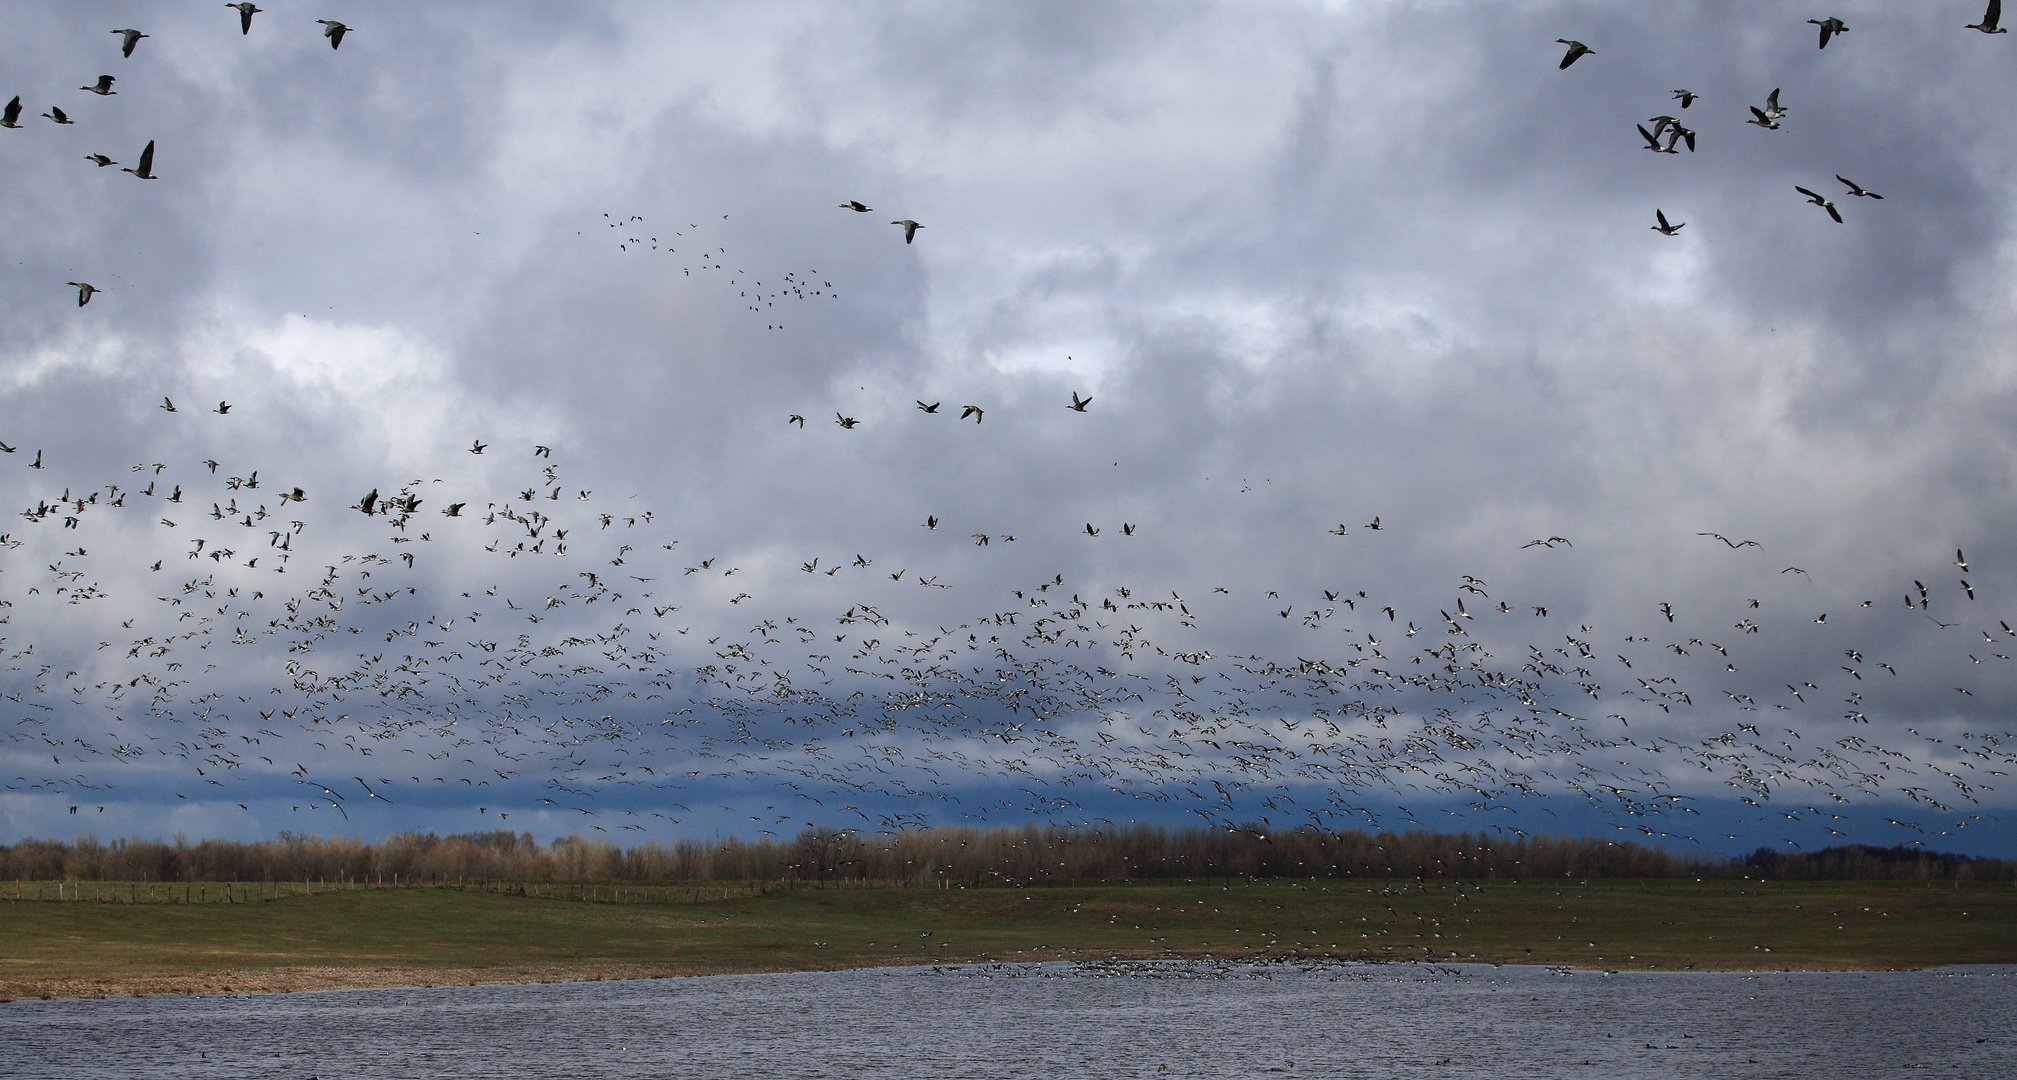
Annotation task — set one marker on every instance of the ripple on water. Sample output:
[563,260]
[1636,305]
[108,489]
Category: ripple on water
[1164,1020]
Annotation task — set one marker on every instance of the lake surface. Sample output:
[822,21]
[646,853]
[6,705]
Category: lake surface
[1160,1020]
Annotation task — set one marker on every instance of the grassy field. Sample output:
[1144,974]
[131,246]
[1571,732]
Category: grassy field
[431,936]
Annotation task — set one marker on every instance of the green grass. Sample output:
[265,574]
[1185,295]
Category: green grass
[426,935]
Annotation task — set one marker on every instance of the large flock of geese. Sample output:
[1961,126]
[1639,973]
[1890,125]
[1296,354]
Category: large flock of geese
[212,631]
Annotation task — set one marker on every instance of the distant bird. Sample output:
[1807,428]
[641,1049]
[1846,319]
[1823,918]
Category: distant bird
[99,160]
[84,291]
[1664,228]
[476,447]
[1820,201]
[847,422]
[334,31]
[1551,541]
[1374,524]
[1830,26]
[971,410]
[245,13]
[1090,531]
[223,407]
[1127,529]
[931,521]
[795,418]
[1759,118]
[1960,560]
[102,88]
[1340,530]
[1990,18]
[910,229]
[1687,97]
[11,115]
[1857,189]
[1577,50]
[57,114]
[856,206]
[132,38]
[166,405]
[1734,544]
[1653,142]
[1772,107]
[145,171]
[931,408]
[1078,403]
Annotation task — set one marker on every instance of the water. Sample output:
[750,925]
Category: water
[1171,1020]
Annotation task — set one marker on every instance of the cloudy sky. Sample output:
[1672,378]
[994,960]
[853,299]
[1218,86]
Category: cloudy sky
[1314,264]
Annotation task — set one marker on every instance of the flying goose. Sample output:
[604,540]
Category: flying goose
[1830,26]
[1687,97]
[1990,18]
[1078,403]
[146,169]
[1577,50]
[1820,201]
[910,229]
[334,31]
[245,13]
[1664,229]
[11,115]
[1653,142]
[57,114]
[856,206]
[132,38]
[1857,189]
[102,88]
[84,291]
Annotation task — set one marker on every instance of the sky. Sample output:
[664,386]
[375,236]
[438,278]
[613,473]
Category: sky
[1316,266]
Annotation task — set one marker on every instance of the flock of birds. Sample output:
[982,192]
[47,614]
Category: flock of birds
[1766,116]
[129,39]
[538,646]
[221,632]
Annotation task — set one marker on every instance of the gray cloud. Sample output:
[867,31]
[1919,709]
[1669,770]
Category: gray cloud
[1313,266]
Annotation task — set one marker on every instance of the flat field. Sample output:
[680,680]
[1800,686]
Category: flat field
[292,940]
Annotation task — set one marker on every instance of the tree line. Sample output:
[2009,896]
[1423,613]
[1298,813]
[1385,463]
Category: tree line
[953,856]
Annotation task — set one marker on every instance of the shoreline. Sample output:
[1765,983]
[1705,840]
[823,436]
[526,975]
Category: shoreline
[323,978]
